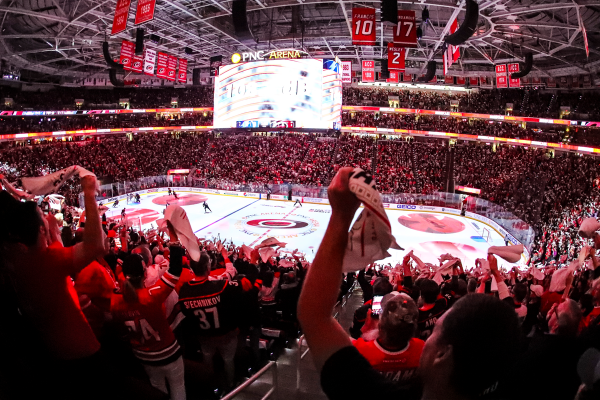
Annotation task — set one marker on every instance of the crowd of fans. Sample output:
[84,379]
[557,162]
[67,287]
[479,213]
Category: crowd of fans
[50,124]
[525,102]
[101,309]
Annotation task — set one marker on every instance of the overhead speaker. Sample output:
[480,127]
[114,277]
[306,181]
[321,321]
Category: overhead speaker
[187,50]
[526,67]
[154,38]
[389,12]
[240,20]
[468,26]
[139,41]
[196,76]
[112,76]
[385,72]
[109,60]
[431,66]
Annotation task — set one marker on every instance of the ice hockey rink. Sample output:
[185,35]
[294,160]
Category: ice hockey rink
[250,220]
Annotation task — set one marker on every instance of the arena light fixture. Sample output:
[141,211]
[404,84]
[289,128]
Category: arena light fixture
[236,58]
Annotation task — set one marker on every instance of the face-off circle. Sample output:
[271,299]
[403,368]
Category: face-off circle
[277,223]
[145,214]
[182,199]
[429,223]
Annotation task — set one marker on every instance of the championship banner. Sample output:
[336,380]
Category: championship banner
[137,65]
[452,53]
[144,11]
[501,80]
[394,77]
[149,61]
[536,80]
[363,26]
[405,33]
[368,71]
[127,53]
[182,75]
[448,80]
[473,81]
[551,82]
[171,68]
[161,65]
[406,77]
[346,71]
[121,15]
[396,57]
[460,80]
[587,81]
[512,68]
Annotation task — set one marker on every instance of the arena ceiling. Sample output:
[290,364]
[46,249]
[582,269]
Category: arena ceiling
[51,38]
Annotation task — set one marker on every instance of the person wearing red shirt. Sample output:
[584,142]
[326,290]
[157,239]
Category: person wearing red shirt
[395,353]
[40,274]
[142,311]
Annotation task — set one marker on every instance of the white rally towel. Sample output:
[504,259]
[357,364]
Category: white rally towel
[512,254]
[444,269]
[266,253]
[371,235]
[43,185]
[181,223]
[268,242]
[16,193]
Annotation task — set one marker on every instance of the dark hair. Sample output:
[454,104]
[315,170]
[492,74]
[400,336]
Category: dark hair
[21,221]
[472,285]
[429,291]
[520,291]
[382,286]
[202,266]
[461,288]
[474,322]
[133,269]
[587,304]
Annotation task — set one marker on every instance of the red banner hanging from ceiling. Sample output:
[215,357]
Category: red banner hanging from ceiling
[182,75]
[171,68]
[394,77]
[161,65]
[144,11]
[405,33]
[121,16]
[513,68]
[368,71]
[396,57]
[363,26]
[127,53]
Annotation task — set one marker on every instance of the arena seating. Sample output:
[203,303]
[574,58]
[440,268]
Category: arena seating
[553,191]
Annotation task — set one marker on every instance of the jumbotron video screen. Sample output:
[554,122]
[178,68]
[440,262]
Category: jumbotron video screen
[289,93]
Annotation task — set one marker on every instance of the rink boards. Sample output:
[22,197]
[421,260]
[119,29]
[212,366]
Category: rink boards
[246,218]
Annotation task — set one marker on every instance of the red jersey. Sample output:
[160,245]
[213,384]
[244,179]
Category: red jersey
[150,332]
[47,297]
[398,366]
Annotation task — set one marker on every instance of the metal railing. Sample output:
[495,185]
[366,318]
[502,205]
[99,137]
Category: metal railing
[272,392]
[336,314]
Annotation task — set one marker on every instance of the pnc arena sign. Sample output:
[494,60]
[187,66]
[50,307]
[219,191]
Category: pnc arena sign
[267,55]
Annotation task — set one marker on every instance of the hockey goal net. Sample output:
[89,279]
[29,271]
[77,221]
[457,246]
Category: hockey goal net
[485,234]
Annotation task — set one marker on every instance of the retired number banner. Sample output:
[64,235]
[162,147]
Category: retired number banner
[144,11]
[121,15]
[405,33]
[501,79]
[396,57]
[363,26]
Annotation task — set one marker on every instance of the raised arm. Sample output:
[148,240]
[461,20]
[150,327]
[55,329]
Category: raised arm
[93,236]
[319,294]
